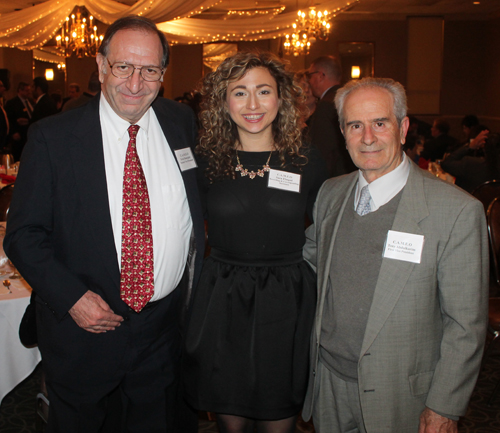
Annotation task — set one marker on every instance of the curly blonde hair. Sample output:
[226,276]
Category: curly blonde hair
[219,134]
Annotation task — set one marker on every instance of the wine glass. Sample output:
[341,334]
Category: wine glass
[16,275]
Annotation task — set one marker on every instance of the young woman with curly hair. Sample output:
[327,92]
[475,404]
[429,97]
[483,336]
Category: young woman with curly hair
[247,343]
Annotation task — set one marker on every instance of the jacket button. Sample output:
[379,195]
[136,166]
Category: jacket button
[314,372]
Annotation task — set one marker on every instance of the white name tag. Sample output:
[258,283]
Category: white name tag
[404,246]
[185,159]
[284,180]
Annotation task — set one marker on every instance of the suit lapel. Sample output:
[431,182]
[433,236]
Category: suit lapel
[394,274]
[90,174]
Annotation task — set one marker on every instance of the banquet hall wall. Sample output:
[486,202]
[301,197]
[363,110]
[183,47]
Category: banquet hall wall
[470,63]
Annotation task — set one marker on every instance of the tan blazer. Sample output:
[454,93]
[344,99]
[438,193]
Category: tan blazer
[426,327]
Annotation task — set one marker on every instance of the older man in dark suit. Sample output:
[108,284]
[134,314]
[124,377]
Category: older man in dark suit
[105,225]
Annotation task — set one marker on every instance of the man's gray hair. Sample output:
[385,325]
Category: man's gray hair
[330,66]
[393,87]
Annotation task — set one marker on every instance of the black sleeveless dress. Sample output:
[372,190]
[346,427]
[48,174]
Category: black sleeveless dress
[247,343]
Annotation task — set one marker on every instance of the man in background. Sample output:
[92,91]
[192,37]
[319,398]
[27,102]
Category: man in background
[19,111]
[44,104]
[4,121]
[92,89]
[440,143]
[325,75]
[73,93]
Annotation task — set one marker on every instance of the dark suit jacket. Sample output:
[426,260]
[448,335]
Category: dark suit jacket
[16,109]
[435,148]
[470,171]
[325,134]
[43,108]
[3,129]
[59,231]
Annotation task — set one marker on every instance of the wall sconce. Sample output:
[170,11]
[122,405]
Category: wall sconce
[49,74]
[355,72]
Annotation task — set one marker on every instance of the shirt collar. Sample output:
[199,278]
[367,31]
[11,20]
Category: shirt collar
[385,188]
[119,126]
[325,92]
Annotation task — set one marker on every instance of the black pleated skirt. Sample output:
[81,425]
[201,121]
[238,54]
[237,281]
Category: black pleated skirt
[247,343]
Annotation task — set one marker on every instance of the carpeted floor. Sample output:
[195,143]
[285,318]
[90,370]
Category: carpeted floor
[18,408]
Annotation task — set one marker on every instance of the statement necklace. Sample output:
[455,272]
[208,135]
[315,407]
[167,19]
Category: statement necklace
[251,174]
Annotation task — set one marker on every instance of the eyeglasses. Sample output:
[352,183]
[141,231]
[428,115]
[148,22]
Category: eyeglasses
[124,70]
[310,74]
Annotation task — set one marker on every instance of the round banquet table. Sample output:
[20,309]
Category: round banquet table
[16,361]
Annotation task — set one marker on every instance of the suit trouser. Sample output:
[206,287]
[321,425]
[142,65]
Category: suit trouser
[337,407]
[140,358]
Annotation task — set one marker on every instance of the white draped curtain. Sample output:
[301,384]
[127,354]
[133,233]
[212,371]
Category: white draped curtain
[214,54]
[33,27]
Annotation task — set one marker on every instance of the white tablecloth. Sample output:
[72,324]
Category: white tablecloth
[16,361]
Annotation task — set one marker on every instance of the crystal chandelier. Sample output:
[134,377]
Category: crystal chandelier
[308,28]
[78,35]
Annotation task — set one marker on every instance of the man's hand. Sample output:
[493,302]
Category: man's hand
[478,142]
[431,422]
[93,314]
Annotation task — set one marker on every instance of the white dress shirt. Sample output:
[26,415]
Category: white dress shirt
[170,214]
[385,188]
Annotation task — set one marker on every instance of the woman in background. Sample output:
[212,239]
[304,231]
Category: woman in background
[247,344]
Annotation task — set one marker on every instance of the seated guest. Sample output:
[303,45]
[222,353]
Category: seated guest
[477,137]
[471,171]
[468,122]
[413,147]
[440,143]
[419,128]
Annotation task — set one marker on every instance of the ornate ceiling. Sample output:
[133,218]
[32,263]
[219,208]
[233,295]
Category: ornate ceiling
[29,24]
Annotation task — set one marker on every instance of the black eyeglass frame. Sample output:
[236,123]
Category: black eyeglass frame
[310,74]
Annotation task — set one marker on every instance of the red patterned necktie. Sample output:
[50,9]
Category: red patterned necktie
[137,274]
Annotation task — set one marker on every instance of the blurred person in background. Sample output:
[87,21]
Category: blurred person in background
[19,111]
[472,168]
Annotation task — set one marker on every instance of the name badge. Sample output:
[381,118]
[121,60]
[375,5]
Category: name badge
[284,180]
[404,246]
[185,159]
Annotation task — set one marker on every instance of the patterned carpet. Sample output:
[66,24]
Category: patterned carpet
[18,410]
